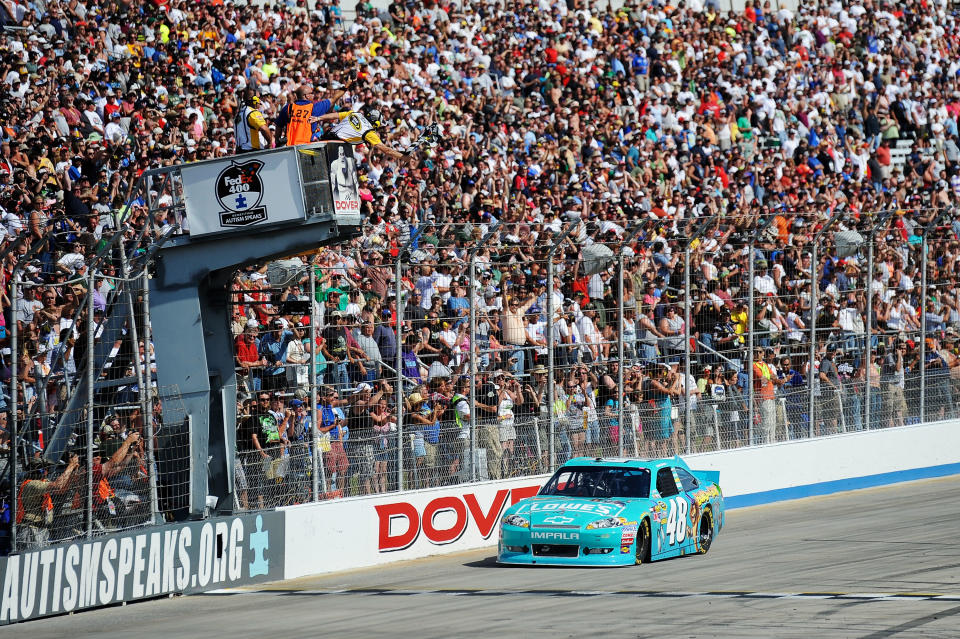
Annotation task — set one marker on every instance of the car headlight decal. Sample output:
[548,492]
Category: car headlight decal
[609,522]
[515,520]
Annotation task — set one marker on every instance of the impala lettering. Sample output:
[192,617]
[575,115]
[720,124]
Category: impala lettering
[555,536]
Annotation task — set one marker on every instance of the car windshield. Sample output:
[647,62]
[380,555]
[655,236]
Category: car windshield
[598,481]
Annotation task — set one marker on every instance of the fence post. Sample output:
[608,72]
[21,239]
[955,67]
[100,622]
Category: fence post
[14,397]
[882,218]
[868,330]
[473,366]
[552,425]
[148,413]
[923,324]
[42,400]
[142,383]
[316,462]
[751,319]
[697,233]
[91,336]
[473,348]
[924,246]
[628,237]
[814,295]
[759,229]
[716,426]
[620,324]
[398,289]
[688,435]
[552,447]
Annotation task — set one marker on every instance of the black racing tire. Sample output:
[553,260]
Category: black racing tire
[705,536]
[643,542]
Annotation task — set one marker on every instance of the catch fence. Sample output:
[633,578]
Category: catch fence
[547,351]
[429,362]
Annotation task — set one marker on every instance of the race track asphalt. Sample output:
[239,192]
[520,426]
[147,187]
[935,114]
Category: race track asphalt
[875,563]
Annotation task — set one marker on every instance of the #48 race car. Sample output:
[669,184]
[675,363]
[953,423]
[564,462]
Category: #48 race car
[614,512]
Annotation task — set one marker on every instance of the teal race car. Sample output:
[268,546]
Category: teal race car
[614,512]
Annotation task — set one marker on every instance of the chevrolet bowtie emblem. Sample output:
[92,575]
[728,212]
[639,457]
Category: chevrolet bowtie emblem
[557,519]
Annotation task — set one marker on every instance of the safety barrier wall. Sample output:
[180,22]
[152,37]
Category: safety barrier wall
[368,531]
[796,469]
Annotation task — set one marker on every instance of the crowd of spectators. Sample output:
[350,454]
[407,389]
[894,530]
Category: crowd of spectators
[628,122]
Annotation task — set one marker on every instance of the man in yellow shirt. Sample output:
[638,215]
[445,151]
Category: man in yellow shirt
[250,128]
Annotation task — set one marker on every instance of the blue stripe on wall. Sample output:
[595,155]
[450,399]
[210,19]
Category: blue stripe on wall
[839,485]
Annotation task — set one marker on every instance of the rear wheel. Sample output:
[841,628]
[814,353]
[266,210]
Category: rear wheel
[705,537]
[643,542]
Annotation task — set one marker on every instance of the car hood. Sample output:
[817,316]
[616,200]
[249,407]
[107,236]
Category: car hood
[572,511]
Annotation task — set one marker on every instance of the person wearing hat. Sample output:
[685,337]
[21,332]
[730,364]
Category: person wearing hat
[250,127]
[273,348]
[763,282]
[764,386]
[335,350]
[423,421]
[459,407]
[333,435]
[671,327]
[296,423]
[249,361]
[660,387]
[35,511]
[830,402]
[298,357]
[442,366]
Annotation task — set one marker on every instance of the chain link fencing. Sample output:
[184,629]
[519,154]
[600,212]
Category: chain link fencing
[368,369]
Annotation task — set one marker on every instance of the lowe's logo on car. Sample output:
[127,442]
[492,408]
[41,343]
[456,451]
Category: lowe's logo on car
[187,558]
[555,536]
[587,507]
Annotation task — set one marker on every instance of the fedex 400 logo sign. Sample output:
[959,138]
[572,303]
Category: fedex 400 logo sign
[444,519]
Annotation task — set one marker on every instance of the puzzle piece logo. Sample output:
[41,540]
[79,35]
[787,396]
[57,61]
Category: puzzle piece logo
[259,542]
[240,190]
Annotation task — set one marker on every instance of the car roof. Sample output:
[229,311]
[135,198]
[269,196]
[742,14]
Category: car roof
[628,462]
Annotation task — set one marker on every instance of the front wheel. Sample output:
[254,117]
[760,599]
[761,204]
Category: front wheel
[643,542]
[705,538]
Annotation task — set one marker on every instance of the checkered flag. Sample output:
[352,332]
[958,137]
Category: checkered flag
[430,137]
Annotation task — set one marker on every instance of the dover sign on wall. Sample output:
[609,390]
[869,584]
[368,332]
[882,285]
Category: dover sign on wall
[352,533]
[190,557]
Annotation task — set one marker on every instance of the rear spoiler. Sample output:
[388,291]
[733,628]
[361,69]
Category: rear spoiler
[707,476]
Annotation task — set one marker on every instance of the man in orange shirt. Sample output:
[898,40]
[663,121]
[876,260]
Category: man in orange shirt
[295,123]
[883,158]
[763,381]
